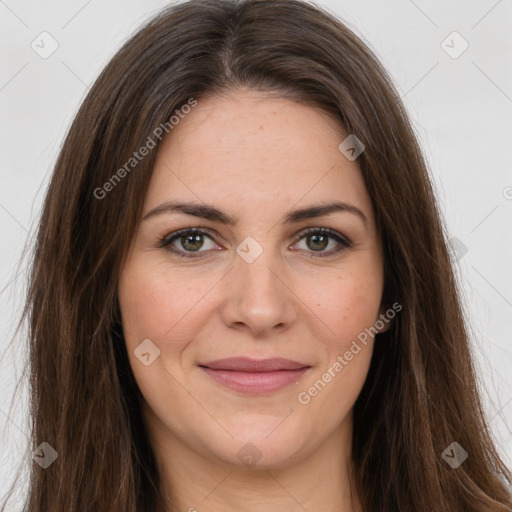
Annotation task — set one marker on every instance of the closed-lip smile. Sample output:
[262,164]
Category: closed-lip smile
[254,376]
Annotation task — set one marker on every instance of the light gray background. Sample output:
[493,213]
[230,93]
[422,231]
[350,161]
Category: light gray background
[461,109]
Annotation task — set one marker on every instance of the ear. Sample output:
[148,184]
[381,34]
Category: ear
[385,317]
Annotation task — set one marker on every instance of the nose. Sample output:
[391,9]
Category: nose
[258,297]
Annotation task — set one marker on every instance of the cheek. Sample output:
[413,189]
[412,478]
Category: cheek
[348,307]
[155,302]
[347,304]
[160,306]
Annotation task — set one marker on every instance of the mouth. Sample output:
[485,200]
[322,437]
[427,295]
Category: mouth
[255,376]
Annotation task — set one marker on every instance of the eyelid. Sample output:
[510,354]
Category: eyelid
[339,237]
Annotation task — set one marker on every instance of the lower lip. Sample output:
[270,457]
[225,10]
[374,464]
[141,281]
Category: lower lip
[256,382]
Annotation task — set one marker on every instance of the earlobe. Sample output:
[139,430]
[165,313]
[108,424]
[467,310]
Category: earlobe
[383,321]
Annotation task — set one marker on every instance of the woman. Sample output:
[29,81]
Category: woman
[241,294]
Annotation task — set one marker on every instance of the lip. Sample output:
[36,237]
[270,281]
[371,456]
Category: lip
[254,376]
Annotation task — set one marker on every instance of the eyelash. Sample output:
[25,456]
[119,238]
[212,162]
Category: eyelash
[166,241]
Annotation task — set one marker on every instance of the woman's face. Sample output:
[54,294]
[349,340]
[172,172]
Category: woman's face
[252,284]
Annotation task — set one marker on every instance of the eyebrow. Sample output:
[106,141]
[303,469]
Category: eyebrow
[211,213]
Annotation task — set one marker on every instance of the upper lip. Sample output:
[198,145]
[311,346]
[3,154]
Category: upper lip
[246,364]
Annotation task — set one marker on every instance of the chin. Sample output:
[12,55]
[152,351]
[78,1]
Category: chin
[270,443]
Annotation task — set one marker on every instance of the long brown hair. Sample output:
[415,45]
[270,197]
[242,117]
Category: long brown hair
[421,393]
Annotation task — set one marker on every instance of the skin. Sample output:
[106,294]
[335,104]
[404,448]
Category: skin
[256,157]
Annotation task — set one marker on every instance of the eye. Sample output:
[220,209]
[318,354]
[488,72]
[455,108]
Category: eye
[190,240]
[318,239]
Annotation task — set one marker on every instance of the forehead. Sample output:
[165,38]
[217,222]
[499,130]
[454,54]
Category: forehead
[251,148]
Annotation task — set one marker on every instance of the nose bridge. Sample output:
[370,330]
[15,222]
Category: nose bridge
[257,270]
[260,276]
[257,296]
